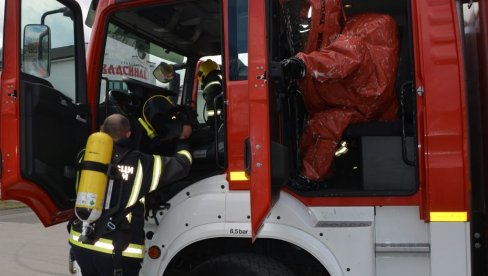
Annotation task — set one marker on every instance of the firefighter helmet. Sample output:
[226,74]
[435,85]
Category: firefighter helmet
[205,68]
[160,118]
[306,30]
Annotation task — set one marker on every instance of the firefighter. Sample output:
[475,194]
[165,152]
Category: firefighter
[117,245]
[210,78]
[345,70]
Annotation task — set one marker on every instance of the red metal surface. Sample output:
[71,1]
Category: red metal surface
[10,106]
[237,114]
[441,116]
[95,53]
[259,135]
[237,129]
[359,200]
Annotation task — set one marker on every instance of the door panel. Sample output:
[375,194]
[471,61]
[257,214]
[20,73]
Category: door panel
[259,135]
[53,130]
[44,117]
[268,152]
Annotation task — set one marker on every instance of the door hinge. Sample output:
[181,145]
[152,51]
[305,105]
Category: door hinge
[13,95]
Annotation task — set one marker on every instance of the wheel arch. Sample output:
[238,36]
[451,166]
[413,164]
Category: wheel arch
[294,248]
[291,255]
[207,216]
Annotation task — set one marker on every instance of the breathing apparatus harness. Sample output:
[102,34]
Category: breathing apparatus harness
[112,218]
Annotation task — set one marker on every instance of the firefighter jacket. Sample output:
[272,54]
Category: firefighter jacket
[212,88]
[350,75]
[137,174]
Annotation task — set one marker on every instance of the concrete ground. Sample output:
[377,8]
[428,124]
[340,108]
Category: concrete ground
[10,204]
[27,248]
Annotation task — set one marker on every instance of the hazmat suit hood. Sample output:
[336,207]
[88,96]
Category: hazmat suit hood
[311,24]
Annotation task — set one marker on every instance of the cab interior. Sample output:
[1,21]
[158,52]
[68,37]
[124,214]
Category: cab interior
[183,35]
[381,157]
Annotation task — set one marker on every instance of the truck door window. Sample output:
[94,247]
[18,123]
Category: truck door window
[57,18]
[238,40]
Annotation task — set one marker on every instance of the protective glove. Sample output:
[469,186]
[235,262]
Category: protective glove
[186,115]
[293,68]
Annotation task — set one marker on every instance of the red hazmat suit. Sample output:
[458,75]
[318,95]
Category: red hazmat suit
[350,77]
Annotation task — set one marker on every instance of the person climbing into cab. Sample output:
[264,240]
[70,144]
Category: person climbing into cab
[210,78]
[162,120]
[114,244]
[345,70]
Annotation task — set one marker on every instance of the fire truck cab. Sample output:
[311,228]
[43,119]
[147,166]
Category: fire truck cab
[408,197]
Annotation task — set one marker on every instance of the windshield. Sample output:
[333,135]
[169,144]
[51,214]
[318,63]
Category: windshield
[128,55]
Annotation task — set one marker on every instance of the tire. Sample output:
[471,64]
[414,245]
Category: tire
[241,264]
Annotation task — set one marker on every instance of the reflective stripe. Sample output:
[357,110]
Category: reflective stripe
[238,176]
[129,217]
[105,246]
[186,153]
[156,172]
[213,83]
[449,216]
[136,188]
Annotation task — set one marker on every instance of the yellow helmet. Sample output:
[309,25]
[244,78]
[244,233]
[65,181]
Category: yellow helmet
[205,68]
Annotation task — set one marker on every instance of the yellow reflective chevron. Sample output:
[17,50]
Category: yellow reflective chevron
[136,188]
[156,172]
[449,216]
[186,154]
[105,246]
[238,176]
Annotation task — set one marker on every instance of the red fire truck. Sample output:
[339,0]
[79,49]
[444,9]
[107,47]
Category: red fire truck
[408,197]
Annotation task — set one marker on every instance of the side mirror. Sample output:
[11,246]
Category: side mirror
[37,50]
[164,72]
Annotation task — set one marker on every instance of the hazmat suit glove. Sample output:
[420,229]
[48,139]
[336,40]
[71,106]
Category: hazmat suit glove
[293,68]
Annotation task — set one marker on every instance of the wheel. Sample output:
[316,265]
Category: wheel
[242,264]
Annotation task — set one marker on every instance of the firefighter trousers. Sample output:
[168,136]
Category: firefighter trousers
[94,263]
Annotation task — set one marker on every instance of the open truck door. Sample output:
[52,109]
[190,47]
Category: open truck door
[267,156]
[45,118]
